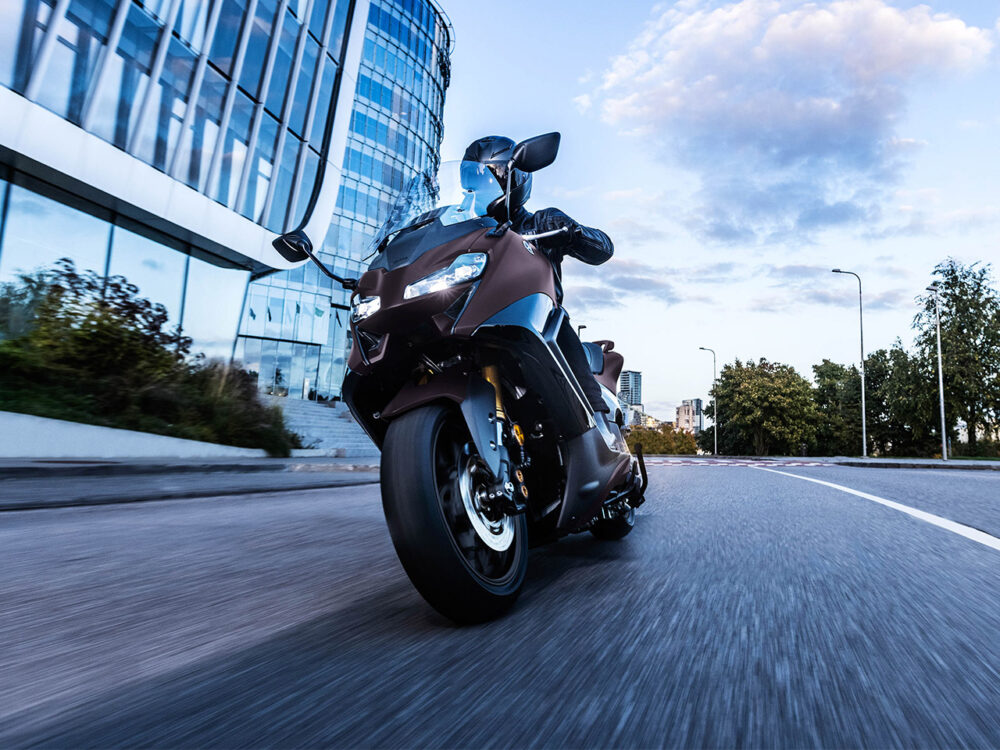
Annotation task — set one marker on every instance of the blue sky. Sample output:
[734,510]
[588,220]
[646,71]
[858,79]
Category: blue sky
[736,152]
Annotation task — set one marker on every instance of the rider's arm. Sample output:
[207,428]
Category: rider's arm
[589,245]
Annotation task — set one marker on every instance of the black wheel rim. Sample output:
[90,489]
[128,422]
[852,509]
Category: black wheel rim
[451,449]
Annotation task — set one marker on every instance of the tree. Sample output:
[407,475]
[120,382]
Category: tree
[768,408]
[838,398]
[970,342]
[901,398]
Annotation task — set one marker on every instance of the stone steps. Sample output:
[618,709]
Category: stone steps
[329,429]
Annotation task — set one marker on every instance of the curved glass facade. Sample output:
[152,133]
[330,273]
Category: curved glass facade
[295,324]
[40,224]
[232,97]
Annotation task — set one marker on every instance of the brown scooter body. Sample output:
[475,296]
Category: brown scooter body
[412,352]
[457,371]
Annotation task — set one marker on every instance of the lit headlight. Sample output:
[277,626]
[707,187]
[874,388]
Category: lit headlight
[363,307]
[464,268]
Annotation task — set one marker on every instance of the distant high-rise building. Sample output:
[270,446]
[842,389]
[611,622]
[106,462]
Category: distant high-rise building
[690,417]
[630,388]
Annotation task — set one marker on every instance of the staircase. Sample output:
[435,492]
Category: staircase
[328,430]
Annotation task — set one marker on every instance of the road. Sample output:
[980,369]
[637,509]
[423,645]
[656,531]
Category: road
[748,608]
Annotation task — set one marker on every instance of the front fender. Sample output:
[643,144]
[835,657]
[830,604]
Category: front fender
[476,398]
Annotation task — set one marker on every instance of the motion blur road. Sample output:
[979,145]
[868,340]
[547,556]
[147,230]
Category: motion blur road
[748,608]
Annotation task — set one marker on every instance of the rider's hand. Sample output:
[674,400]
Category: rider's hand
[552,219]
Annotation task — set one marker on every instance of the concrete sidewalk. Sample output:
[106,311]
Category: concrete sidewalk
[42,484]
[24,468]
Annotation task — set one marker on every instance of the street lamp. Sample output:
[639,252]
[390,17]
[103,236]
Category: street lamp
[715,404]
[861,316]
[578,329]
[937,315]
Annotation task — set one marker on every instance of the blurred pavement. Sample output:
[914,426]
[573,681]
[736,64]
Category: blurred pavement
[748,608]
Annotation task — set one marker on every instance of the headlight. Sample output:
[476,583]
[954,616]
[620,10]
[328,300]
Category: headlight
[464,268]
[363,307]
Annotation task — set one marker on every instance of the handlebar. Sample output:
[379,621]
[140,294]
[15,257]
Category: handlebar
[542,235]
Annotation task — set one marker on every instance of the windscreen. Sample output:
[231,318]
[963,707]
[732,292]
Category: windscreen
[461,190]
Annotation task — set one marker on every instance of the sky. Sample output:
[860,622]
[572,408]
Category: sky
[736,153]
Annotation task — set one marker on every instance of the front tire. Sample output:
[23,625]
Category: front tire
[468,566]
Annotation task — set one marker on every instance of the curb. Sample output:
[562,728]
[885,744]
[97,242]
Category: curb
[84,468]
[100,500]
[902,465]
[58,469]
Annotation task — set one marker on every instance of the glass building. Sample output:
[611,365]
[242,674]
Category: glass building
[170,141]
[294,327]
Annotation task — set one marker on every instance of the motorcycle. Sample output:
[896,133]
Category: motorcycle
[456,371]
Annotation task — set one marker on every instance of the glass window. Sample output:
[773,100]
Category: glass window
[81,36]
[339,28]
[256,311]
[157,270]
[159,132]
[227,34]
[275,308]
[234,151]
[306,182]
[126,79]
[283,186]
[39,231]
[297,387]
[261,167]
[303,89]
[199,141]
[22,24]
[260,37]
[250,355]
[311,372]
[212,307]
[282,65]
[317,17]
[192,20]
[268,355]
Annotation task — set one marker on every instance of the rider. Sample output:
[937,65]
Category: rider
[484,174]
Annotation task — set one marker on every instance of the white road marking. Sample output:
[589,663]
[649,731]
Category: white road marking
[967,531]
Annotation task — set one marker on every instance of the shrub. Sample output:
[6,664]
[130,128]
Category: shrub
[85,348]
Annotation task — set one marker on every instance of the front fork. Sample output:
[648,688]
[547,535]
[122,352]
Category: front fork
[510,489]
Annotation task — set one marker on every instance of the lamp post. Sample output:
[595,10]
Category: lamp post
[715,404]
[861,318]
[578,329]
[937,316]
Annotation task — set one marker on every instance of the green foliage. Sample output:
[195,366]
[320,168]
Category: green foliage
[80,347]
[662,441]
[970,342]
[838,398]
[767,408]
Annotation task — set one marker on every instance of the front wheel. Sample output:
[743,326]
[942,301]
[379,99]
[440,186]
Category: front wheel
[467,560]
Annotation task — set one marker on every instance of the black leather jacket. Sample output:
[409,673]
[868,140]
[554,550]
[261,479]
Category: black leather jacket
[589,245]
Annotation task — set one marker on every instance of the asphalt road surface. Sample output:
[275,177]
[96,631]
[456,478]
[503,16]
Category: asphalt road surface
[748,608]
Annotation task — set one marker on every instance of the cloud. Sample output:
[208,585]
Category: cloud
[616,282]
[787,111]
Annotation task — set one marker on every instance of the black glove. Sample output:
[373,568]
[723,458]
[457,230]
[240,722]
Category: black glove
[552,219]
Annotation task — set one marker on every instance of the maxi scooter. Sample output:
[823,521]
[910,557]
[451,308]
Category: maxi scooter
[456,371]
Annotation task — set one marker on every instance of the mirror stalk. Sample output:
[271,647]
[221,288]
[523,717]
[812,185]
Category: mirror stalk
[296,247]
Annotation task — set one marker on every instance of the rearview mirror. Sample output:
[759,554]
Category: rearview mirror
[536,153]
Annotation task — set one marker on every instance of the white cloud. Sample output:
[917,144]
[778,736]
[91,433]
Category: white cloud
[788,111]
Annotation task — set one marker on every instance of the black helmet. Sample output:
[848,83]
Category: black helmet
[495,151]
